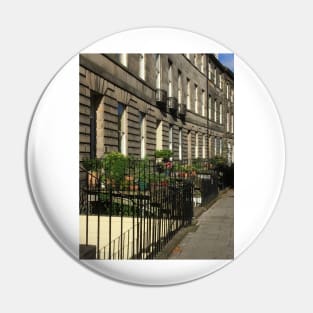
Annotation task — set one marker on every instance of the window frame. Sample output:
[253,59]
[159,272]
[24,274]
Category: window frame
[143,133]
[142,66]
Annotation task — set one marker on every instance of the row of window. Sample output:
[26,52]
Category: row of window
[217,144]
[198,61]
[199,103]
[170,88]
[122,130]
[219,81]
[142,63]
[198,110]
[217,117]
[122,141]
[159,137]
[212,73]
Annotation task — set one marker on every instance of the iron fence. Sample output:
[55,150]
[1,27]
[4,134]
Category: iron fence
[129,209]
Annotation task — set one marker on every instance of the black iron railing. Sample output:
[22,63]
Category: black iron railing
[161,98]
[129,209]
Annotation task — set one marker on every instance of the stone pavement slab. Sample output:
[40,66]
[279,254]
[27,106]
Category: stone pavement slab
[214,236]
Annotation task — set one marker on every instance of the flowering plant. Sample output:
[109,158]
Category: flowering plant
[169,165]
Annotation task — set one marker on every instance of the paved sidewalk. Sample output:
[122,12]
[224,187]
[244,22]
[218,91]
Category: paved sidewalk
[214,236]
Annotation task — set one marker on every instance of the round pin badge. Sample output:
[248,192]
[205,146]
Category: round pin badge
[146,153]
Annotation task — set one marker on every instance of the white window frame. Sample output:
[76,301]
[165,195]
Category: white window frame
[210,70]
[197,146]
[227,122]
[158,71]
[159,135]
[215,76]
[188,94]
[203,103]
[179,89]
[210,107]
[221,113]
[202,62]
[189,143]
[170,79]
[215,111]
[170,137]
[180,144]
[203,146]
[215,146]
[124,59]
[122,118]
[210,146]
[221,146]
[142,125]
[196,99]
[142,66]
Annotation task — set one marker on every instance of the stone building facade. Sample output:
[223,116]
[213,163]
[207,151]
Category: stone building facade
[139,103]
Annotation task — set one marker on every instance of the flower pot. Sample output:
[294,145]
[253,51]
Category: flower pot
[143,186]
[133,187]
[164,183]
[129,178]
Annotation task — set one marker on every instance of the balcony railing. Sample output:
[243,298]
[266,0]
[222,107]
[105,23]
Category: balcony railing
[161,98]
[182,109]
[172,104]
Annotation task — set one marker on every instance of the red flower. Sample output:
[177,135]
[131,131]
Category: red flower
[168,164]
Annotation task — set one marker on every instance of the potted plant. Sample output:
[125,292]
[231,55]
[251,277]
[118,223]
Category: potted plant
[164,155]
[163,180]
[115,168]
[193,171]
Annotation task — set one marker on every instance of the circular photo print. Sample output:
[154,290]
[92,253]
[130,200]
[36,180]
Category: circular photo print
[147,152]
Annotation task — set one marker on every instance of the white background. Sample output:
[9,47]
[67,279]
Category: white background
[275,273]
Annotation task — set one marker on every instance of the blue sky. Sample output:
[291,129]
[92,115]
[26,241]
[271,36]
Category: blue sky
[227,59]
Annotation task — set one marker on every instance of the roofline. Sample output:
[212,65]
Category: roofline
[224,68]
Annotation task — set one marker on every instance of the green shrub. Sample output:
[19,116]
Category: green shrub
[115,167]
[165,154]
[219,162]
